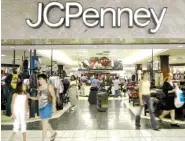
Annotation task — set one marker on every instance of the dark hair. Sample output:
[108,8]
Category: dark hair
[43,76]
[19,88]
[73,77]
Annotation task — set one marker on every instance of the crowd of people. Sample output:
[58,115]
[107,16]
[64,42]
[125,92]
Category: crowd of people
[46,98]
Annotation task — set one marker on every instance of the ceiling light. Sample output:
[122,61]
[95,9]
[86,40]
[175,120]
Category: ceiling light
[15,59]
[180,46]
[12,47]
[2,55]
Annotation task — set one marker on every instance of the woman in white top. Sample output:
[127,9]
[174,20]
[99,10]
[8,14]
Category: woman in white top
[19,108]
[144,96]
[73,92]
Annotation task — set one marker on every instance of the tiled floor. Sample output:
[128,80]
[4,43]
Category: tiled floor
[105,135]
[87,124]
[86,117]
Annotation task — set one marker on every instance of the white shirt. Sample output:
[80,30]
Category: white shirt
[144,87]
[116,84]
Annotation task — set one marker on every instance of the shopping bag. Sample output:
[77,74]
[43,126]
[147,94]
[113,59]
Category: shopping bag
[179,100]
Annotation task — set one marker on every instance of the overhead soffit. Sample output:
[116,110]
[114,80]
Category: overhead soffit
[14,14]
[93,41]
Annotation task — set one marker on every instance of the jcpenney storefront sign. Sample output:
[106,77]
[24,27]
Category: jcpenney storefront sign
[92,17]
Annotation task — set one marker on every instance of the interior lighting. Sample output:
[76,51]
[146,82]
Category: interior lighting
[2,55]
[140,55]
[58,56]
[180,46]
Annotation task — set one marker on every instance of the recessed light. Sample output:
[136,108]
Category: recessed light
[2,55]
[180,46]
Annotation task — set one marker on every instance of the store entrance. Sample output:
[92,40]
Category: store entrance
[107,64]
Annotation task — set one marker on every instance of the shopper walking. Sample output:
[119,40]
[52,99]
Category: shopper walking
[95,82]
[47,105]
[19,108]
[116,83]
[144,96]
[73,92]
[169,107]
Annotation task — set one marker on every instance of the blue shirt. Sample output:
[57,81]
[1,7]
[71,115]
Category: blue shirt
[95,83]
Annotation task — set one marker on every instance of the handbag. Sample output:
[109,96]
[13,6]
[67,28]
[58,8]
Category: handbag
[49,97]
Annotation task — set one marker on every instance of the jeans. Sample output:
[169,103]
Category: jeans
[116,93]
[34,108]
[9,100]
[146,100]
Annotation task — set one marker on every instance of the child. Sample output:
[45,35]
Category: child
[19,107]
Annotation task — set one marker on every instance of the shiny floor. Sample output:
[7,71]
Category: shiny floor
[86,117]
[105,135]
[86,123]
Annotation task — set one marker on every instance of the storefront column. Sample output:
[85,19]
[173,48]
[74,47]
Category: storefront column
[60,71]
[30,60]
[164,64]
[35,53]
[51,62]
[13,58]
[138,72]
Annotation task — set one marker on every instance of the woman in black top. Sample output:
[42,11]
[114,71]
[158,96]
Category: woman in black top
[169,107]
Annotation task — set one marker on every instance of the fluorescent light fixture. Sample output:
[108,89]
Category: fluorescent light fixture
[12,47]
[140,55]
[58,56]
[2,55]
[180,46]
[15,59]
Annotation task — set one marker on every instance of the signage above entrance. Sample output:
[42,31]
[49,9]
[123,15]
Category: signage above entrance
[92,17]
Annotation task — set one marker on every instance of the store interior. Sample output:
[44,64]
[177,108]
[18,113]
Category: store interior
[125,61]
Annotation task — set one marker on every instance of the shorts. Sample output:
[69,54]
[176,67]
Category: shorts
[46,112]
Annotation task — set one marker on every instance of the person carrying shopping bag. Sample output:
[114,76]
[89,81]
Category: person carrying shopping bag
[169,106]
[144,96]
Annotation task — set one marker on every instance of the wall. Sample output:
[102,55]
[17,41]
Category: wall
[14,13]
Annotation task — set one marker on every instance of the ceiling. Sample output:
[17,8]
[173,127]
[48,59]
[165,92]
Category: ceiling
[132,56]
[105,47]
[176,56]
[7,57]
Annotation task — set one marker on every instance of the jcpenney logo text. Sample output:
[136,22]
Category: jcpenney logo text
[92,17]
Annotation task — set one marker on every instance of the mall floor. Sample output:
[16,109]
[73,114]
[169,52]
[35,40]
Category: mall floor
[85,123]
